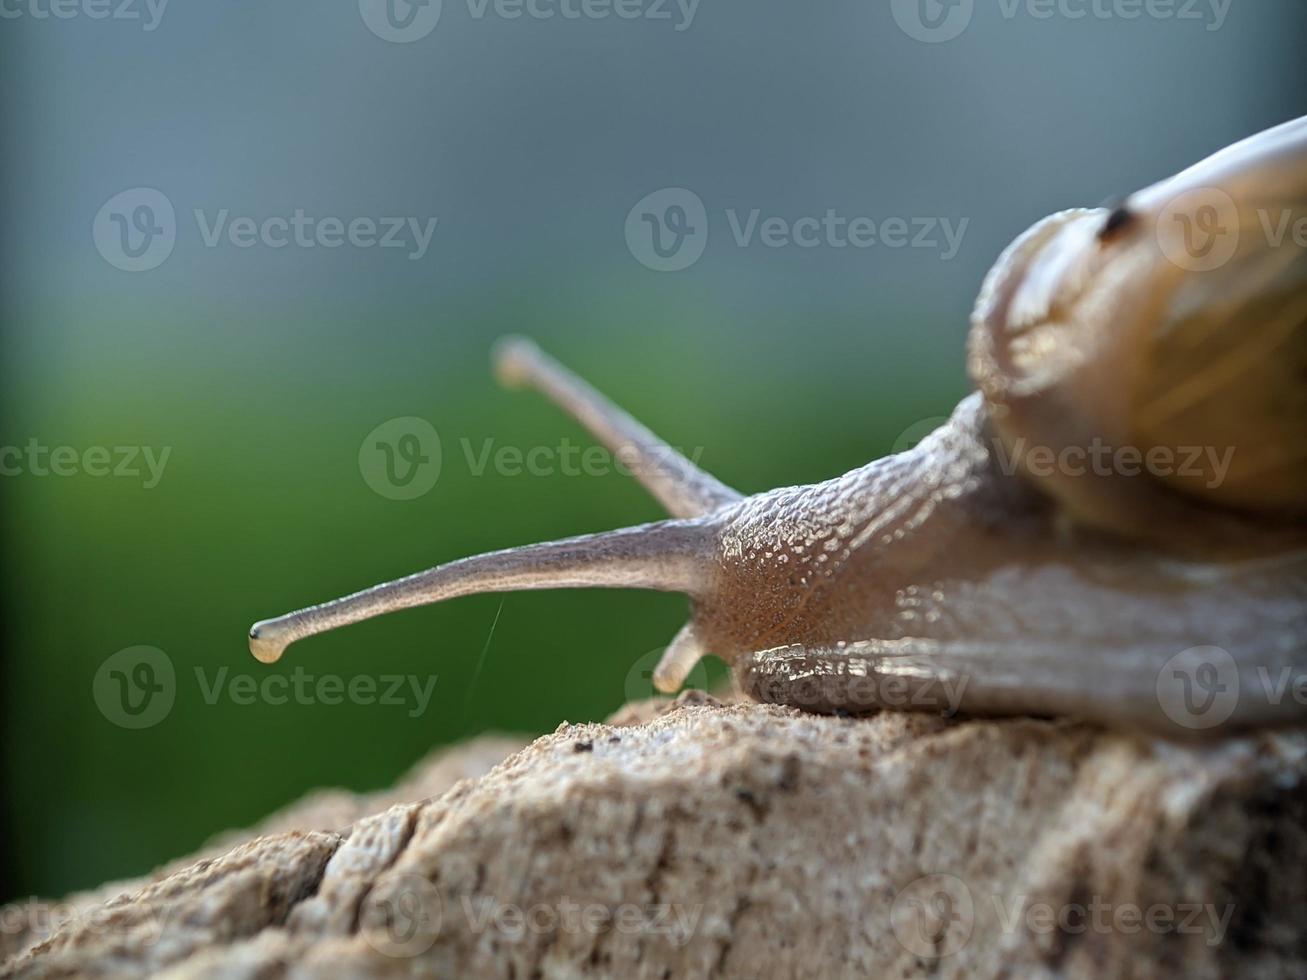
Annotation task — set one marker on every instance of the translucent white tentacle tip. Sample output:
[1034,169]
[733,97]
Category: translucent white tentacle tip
[266,643]
[679,659]
[668,681]
[512,358]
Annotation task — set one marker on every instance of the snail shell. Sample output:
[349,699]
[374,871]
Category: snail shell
[1176,322]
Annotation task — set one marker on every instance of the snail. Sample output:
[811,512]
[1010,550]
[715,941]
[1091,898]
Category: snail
[1044,552]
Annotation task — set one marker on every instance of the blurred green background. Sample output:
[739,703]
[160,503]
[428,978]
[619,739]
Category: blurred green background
[264,369]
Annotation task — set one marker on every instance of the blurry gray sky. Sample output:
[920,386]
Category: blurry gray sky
[531,137]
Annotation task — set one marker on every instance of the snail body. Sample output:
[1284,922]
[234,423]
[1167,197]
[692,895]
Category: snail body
[1002,566]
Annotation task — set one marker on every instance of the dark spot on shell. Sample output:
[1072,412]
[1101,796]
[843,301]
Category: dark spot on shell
[583,747]
[1120,218]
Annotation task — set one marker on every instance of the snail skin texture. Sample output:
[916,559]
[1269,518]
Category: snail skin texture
[992,569]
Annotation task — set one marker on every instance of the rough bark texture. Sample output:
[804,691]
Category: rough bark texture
[751,841]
